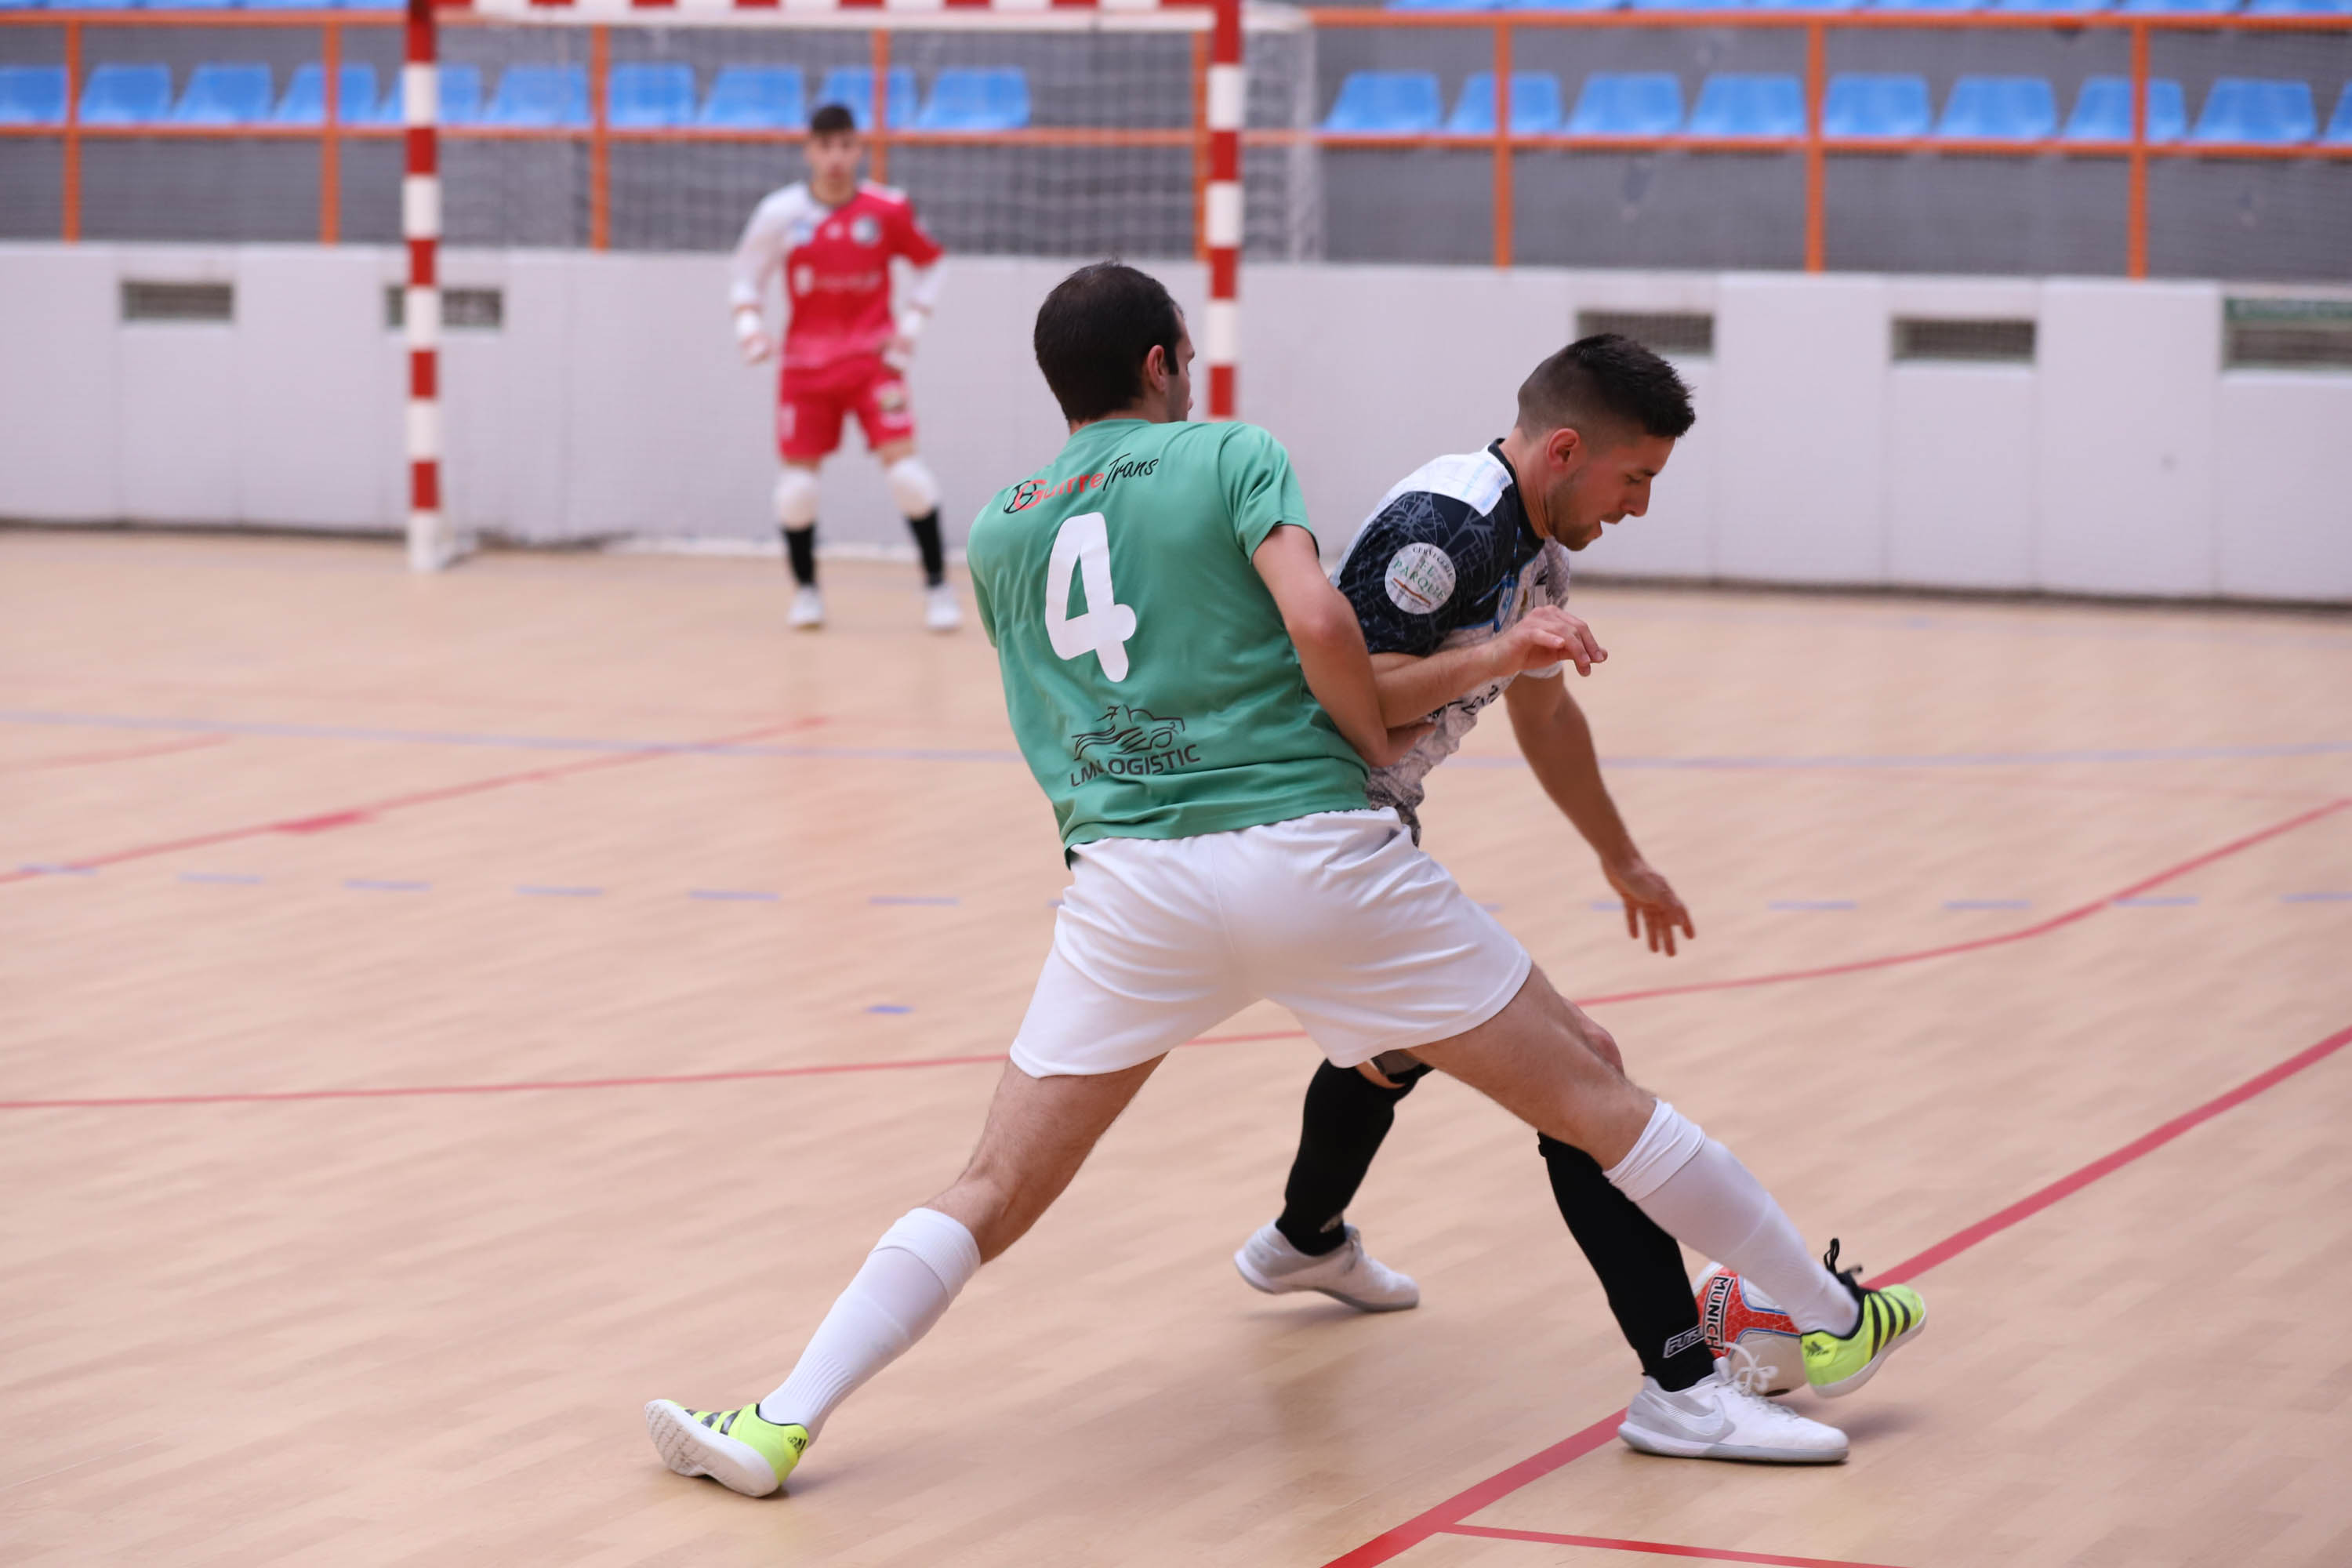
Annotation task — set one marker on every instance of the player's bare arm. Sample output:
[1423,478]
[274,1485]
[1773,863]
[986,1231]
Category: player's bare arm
[1413,686]
[1556,741]
[1330,643]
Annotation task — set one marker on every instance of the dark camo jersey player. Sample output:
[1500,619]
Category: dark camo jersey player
[846,351]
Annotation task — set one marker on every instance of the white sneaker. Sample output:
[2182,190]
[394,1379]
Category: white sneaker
[1346,1273]
[808,611]
[1718,1419]
[940,611]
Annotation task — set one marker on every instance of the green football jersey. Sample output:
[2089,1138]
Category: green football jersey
[1151,685]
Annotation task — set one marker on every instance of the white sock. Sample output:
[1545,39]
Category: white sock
[1700,1194]
[907,1280]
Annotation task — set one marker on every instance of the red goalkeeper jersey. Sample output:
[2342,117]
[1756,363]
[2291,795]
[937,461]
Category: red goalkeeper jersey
[836,268]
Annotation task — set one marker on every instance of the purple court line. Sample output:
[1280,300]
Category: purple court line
[1451,1515]
[2316,898]
[2039,928]
[992,754]
[941,902]
[1807,904]
[649,1080]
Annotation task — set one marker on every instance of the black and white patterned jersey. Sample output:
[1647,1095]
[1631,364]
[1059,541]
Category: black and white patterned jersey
[1447,560]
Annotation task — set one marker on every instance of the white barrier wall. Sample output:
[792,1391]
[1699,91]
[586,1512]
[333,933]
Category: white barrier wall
[610,404]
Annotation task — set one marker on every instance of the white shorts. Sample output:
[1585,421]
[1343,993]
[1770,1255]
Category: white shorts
[1339,917]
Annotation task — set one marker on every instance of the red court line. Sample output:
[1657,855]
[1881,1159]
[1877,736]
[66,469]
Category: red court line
[84,758]
[2039,928]
[352,815]
[1659,1547]
[1448,1517]
[656,1080]
[417,1091]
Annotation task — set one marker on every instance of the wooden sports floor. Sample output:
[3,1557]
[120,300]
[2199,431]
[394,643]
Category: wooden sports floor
[437,1015]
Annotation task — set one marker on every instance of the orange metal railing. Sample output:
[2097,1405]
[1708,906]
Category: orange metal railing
[1504,143]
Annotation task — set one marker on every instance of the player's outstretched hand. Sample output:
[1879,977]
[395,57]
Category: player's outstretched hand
[1546,635]
[898,354]
[757,346]
[1650,905]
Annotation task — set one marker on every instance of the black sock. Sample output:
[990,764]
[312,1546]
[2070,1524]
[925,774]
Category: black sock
[1346,1117]
[926,530]
[800,548]
[1640,1268]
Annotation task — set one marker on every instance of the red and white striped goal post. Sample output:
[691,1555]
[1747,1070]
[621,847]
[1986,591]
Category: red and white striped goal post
[432,541]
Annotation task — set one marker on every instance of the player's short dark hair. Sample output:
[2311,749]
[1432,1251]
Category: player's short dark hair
[1603,387]
[832,120]
[1094,332]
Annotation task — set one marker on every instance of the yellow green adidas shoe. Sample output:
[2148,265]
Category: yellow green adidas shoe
[736,1448]
[1890,1317]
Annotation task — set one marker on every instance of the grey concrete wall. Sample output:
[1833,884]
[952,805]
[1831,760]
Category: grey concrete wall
[610,404]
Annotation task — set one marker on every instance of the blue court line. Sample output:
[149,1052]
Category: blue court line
[2316,898]
[225,879]
[1608,906]
[1812,904]
[52,868]
[989,755]
[912,898]
[888,1007]
[534,892]
[731,895]
[369,885]
[2166,904]
[1987,903]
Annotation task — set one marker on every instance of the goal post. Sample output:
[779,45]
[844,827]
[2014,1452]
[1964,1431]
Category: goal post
[1076,128]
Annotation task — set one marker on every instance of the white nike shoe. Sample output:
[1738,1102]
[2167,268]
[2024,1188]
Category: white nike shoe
[1718,1419]
[808,611]
[1346,1273]
[940,611]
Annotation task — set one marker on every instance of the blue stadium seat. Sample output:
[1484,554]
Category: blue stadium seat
[2339,124]
[2053,8]
[460,94]
[305,102]
[32,95]
[2257,108]
[221,92]
[1387,103]
[1926,4]
[1863,104]
[372,5]
[1999,108]
[1808,4]
[755,98]
[1561,4]
[851,87]
[1628,103]
[126,95]
[1445,4]
[994,99]
[539,96]
[2300,8]
[2102,110]
[1689,5]
[2178,7]
[644,97]
[1535,104]
[93,5]
[1733,104]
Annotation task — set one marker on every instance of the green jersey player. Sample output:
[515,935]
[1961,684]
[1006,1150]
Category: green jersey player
[1195,699]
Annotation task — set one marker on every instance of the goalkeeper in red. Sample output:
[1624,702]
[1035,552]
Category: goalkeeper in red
[847,347]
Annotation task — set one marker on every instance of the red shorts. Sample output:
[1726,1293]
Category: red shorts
[810,405]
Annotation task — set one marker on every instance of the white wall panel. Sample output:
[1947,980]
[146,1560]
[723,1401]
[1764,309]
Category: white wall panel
[60,364]
[611,403]
[2129,377]
[178,420]
[312,404]
[1802,377]
[1960,474]
[2284,485]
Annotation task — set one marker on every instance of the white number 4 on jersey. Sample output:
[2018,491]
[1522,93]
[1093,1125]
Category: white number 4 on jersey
[1083,545]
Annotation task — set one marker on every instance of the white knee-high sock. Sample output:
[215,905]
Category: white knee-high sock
[907,1280]
[1702,1195]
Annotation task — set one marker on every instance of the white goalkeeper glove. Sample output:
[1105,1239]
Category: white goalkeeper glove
[751,337]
